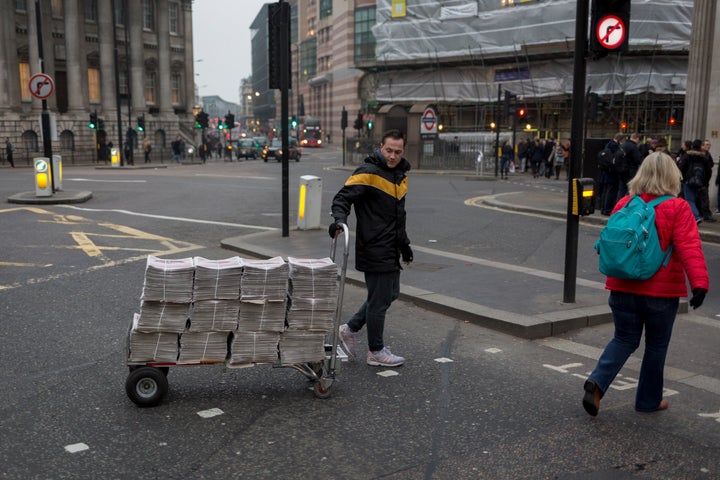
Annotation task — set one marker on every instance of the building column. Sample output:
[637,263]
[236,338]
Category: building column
[695,118]
[107,58]
[189,93]
[163,39]
[75,61]
[136,82]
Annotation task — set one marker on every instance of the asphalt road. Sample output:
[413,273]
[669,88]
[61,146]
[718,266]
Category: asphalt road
[469,404]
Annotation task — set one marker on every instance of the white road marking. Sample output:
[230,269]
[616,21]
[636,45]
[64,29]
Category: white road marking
[509,266]
[493,350]
[76,447]
[388,373]
[103,181]
[444,360]
[212,412]
[248,177]
[703,382]
[165,217]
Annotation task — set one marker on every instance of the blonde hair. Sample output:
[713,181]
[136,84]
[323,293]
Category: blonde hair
[658,175]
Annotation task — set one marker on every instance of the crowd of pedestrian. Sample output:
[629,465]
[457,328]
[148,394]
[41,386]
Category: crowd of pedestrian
[619,161]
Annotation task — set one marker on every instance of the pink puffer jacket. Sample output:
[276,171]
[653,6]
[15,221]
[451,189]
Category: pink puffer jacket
[676,225]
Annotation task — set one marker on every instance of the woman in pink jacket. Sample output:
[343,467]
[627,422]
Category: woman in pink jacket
[651,304]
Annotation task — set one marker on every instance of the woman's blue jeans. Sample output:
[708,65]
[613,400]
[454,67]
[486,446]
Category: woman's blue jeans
[690,196]
[631,313]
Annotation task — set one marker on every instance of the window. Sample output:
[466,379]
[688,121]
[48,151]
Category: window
[174,18]
[325,8]
[67,140]
[308,58]
[150,87]
[57,8]
[293,24]
[94,85]
[21,5]
[24,80]
[120,12]
[148,15]
[364,39]
[123,84]
[91,10]
[176,88]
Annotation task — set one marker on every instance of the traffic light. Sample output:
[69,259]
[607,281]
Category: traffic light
[358,122]
[343,119]
[623,126]
[93,123]
[673,116]
[198,123]
[293,122]
[203,119]
[101,124]
[521,112]
[229,121]
[141,123]
[609,26]
[370,125]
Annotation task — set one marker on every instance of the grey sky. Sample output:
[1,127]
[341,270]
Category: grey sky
[221,37]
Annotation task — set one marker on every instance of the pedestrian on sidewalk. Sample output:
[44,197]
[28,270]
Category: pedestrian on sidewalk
[559,153]
[651,304]
[377,191]
[9,150]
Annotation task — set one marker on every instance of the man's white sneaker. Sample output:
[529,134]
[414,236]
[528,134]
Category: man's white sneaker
[347,338]
[384,358]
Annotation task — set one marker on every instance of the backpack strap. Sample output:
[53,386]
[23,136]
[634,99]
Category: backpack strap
[655,202]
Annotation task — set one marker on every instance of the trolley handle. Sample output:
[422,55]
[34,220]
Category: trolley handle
[346,239]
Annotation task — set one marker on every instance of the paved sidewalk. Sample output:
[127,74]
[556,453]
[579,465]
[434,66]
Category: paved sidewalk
[466,279]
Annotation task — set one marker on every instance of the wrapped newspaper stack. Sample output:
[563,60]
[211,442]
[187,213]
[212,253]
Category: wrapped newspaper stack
[254,347]
[264,279]
[163,317]
[214,316]
[262,316]
[203,347]
[217,279]
[297,346]
[313,294]
[151,347]
[168,280]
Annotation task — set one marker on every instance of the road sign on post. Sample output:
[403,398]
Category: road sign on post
[609,26]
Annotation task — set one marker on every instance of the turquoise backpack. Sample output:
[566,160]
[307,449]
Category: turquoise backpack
[629,246]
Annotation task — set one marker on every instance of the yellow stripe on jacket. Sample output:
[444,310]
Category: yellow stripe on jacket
[376,181]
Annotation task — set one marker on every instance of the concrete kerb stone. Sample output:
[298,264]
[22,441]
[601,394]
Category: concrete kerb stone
[57,198]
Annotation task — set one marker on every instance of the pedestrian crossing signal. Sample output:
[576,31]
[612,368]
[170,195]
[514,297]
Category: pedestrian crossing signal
[93,121]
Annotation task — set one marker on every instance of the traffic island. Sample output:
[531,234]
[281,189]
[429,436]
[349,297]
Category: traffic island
[60,197]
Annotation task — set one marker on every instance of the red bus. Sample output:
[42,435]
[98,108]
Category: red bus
[311,133]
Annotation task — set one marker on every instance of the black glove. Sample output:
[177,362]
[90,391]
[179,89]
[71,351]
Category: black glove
[698,297]
[333,229]
[407,253]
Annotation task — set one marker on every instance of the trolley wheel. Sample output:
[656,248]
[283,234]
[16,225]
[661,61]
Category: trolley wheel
[146,386]
[165,370]
[321,391]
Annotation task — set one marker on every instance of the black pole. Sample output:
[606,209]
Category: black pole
[284,59]
[129,87]
[497,129]
[117,80]
[576,148]
[45,117]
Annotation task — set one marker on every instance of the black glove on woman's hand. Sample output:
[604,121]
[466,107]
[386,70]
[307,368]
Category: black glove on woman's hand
[407,253]
[698,297]
[333,229]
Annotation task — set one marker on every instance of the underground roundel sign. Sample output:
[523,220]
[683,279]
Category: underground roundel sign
[611,32]
[428,121]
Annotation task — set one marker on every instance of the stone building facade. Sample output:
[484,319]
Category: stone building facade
[152,49]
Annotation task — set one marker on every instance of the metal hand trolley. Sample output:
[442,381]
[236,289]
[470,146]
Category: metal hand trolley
[147,384]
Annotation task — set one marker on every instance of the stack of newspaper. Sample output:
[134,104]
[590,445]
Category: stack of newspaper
[262,316]
[168,280]
[297,346]
[253,347]
[151,347]
[214,316]
[313,294]
[203,347]
[264,279]
[163,317]
[217,279]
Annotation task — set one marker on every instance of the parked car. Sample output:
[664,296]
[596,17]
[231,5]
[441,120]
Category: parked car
[247,148]
[274,150]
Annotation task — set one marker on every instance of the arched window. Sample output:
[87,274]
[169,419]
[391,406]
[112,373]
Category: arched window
[160,138]
[67,141]
[30,141]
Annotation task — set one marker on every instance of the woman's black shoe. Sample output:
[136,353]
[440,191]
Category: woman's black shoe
[591,400]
